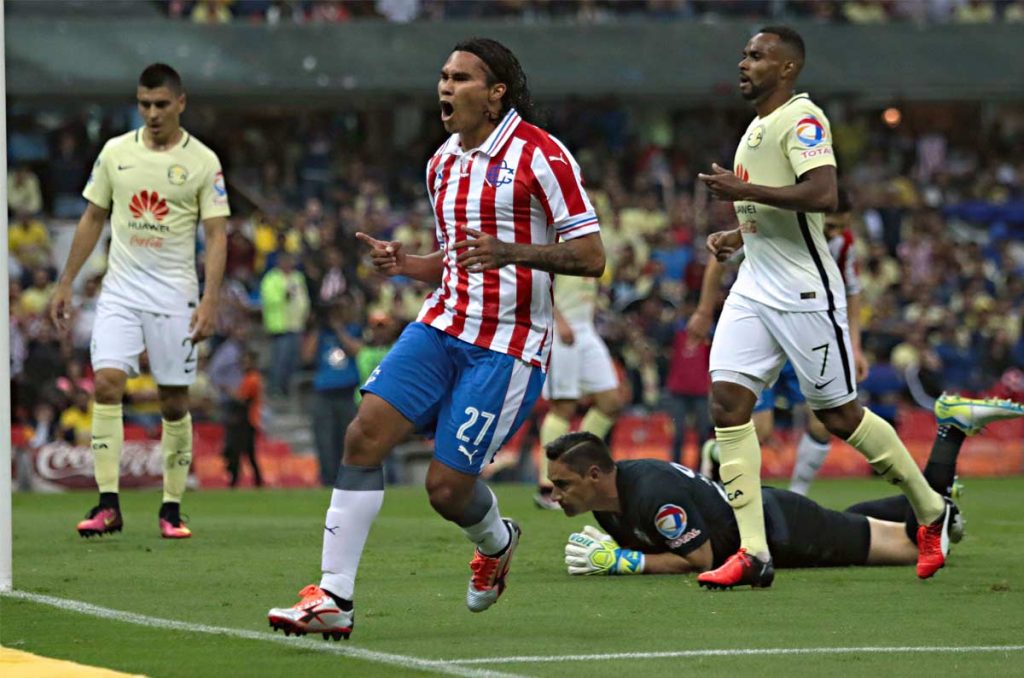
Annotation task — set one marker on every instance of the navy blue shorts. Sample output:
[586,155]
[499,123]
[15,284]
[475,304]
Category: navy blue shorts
[471,399]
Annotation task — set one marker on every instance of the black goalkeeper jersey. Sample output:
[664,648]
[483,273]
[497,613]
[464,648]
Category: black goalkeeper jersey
[668,507]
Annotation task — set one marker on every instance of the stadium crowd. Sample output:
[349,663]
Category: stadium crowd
[596,11]
[939,217]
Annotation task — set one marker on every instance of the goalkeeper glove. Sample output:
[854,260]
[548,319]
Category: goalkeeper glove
[594,552]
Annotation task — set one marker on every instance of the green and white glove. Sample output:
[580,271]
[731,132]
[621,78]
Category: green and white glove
[594,552]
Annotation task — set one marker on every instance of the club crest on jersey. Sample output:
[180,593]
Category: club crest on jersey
[756,136]
[499,175]
[809,131]
[670,521]
[177,175]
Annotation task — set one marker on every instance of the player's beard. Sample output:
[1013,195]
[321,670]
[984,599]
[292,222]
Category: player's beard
[754,93]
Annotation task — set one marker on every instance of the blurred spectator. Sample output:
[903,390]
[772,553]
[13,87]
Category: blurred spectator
[76,421]
[243,423]
[865,12]
[975,12]
[686,391]
[202,395]
[285,311]
[24,195]
[68,171]
[211,12]
[28,241]
[35,299]
[142,397]
[333,348]
[85,314]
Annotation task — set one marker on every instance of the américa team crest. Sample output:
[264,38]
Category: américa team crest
[809,131]
[670,521]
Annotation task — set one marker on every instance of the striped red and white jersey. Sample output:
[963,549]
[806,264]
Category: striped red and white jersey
[843,251]
[523,186]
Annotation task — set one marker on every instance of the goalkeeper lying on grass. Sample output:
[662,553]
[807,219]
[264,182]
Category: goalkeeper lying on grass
[661,518]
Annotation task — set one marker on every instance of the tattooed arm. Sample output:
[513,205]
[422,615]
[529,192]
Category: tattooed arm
[582,256]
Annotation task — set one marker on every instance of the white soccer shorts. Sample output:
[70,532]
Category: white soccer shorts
[120,334]
[754,340]
[581,369]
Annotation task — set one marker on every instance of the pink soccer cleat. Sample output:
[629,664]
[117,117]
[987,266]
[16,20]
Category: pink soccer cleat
[100,521]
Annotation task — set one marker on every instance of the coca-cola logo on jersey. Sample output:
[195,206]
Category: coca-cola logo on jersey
[71,466]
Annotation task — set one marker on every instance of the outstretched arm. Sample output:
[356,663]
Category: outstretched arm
[389,259]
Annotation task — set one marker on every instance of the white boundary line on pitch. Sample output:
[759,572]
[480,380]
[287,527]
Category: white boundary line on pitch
[403,661]
[740,652]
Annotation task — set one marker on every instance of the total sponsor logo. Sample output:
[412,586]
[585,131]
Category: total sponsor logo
[816,152]
[685,539]
[809,131]
[670,521]
[742,173]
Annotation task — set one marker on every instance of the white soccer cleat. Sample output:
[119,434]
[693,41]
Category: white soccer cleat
[317,612]
[971,415]
[489,573]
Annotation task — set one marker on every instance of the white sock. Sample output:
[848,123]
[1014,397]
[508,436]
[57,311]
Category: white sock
[810,455]
[490,535]
[349,518]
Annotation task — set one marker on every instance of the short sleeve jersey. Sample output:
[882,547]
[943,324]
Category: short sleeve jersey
[576,298]
[787,264]
[156,199]
[669,508]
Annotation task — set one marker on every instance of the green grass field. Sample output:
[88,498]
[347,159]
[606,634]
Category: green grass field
[252,551]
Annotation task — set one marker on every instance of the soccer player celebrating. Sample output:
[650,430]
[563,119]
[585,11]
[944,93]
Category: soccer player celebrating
[156,183]
[788,302]
[662,518]
[580,365]
[509,209]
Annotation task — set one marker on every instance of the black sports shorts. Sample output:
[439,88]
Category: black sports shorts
[802,533]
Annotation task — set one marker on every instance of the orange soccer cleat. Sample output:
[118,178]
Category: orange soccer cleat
[490,572]
[317,612]
[740,569]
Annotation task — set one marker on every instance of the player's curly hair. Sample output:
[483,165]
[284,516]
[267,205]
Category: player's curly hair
[579,451]
[502,66]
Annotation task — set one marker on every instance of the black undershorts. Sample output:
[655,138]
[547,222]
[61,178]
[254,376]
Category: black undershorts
[802,533]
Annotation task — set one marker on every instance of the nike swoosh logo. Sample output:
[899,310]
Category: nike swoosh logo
[189,370]
[125,167]
[733,480]
[826,383]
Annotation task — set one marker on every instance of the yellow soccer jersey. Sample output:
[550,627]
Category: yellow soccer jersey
[575,298]
[156,199]
[788,265]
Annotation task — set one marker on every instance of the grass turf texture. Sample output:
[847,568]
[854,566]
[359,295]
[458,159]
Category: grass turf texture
[252,551]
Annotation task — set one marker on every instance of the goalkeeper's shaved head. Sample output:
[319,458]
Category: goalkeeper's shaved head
[580,451]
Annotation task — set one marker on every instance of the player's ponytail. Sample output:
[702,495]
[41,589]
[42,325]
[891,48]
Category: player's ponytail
[504,67]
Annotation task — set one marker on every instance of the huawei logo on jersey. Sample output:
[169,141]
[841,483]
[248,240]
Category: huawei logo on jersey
[151,202]
[742,173]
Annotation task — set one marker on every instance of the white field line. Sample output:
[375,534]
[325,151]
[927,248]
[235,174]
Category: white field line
[740,652]
[403,661]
